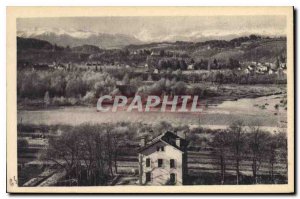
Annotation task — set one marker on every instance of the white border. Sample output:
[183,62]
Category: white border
[109,3]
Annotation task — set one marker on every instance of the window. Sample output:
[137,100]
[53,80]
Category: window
[160,148]
[148,176]
[160,162]
[172,163]
[148,162]
[172,178]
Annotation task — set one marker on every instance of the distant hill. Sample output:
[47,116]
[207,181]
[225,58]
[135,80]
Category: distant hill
[80,38]
[252,48]
[87,49]
[29,43]
[266,50]
[40,51]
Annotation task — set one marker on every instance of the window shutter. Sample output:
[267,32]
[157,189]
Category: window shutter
[148,162]
[172,163]
[160,162]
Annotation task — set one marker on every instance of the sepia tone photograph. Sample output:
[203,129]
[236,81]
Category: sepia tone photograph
[148,99]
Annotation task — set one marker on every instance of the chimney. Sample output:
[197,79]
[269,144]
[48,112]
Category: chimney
[143,141]
[178,142]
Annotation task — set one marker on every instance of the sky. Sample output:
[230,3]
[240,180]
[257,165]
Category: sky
[163,28]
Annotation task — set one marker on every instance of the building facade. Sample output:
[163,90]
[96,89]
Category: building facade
[163,161]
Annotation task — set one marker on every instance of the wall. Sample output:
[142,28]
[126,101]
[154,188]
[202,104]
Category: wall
[160,176]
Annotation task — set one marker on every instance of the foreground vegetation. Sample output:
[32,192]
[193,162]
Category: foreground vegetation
[90,154]
[65,88]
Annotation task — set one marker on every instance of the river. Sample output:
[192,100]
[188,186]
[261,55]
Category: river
[213,116]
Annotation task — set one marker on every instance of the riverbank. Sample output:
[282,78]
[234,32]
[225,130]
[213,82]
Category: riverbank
[222,114]
[213,94]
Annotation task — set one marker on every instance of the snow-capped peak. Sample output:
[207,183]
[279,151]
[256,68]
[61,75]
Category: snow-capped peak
[55,31]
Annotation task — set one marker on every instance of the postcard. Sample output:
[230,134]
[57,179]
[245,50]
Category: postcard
[150,100]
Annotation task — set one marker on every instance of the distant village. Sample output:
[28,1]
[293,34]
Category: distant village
[156,67]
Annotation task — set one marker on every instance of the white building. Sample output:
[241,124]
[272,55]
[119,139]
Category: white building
[283,65]
[156,71]
[272,71]
[163,161]
[250,68]
[190,67]
[262,69]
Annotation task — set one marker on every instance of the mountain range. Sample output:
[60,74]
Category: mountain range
[251,48]
[74,37]
[79,37]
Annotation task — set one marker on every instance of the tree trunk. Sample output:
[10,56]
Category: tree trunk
[237,171]
[254,170]
[222,169]
[116,164]
[141,169]
[272,172]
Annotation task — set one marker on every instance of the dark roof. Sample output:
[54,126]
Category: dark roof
[169,138]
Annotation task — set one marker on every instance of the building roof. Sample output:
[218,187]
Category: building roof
[168,138]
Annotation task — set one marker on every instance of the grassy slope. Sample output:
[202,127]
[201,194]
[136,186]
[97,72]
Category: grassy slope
[264,51]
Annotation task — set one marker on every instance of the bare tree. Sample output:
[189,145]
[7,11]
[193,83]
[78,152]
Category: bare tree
[220,145]
[46,99]
[116,141]
[237,141]
[109,154]
[86,152]
[257,146]
[276,148]
[62,151]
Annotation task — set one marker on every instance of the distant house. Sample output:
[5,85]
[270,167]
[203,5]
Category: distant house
[247,71]
[272,71]
[156,71]
[190,67]
[52,65]
[284,71]
[154,53]
[40,66]
[250,67]
[283,65]
[60,67]
[262,69]
[163,161]
[272,65]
